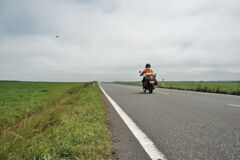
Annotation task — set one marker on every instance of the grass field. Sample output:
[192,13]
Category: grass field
[224,87]
[46,121]
[20,99]
[213,87]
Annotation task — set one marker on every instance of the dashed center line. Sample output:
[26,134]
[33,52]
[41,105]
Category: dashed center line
[165,93]
[234,105]
[161,92]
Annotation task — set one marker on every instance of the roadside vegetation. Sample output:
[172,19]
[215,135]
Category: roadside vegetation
[223,87]
[226,87]
[21,99]
[59,121]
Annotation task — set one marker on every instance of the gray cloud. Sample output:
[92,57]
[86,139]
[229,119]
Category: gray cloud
[113,39]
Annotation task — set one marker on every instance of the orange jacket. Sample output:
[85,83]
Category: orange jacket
[146,70]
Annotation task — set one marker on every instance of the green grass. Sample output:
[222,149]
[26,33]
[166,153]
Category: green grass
[20,99]
[72,127]
[212,87]
[227,87]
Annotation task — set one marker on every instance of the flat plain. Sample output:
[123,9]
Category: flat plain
[52,121]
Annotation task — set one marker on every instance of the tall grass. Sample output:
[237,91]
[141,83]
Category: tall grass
[74,127]
[21,99]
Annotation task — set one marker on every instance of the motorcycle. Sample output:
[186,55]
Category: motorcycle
[149,82]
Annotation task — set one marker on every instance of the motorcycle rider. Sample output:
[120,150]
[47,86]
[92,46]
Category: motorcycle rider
[147,70]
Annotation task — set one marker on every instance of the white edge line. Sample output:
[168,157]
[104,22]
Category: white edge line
[234,105]
[146,143]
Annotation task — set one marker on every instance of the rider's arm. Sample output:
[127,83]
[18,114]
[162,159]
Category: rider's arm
[143,72]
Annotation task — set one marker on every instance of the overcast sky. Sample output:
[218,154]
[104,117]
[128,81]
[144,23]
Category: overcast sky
[111,40]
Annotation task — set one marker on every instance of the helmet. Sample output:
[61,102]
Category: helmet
[148,65]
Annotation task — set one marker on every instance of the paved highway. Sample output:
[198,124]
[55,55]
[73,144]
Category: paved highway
[184,125]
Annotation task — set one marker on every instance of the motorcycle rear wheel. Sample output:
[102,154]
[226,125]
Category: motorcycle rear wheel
[151,90]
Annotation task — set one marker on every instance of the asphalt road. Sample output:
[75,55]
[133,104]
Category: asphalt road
[184,125]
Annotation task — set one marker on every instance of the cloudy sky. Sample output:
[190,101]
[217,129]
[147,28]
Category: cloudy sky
[111,40]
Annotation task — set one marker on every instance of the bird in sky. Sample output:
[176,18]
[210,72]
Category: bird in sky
[57,36]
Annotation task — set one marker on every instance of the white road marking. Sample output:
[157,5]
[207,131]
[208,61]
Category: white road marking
[234,105]
[146,143]
[165,93]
